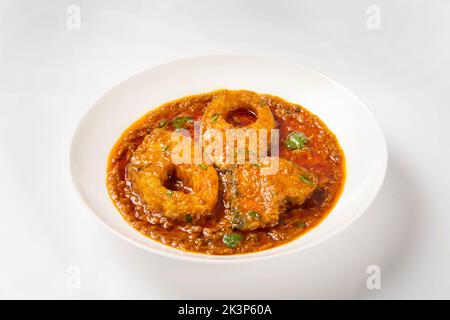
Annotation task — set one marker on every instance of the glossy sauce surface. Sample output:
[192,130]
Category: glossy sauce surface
[322,156]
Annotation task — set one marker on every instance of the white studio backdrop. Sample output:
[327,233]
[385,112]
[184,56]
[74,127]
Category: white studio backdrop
[57,57]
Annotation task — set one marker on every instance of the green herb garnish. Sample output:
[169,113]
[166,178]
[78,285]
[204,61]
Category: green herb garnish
[254,214]
[306,180]
[302,225]
[164,148]
[180,122]
[231,240]
[203,166]
[215,116]
[295,140]
[188,218]
[169,193]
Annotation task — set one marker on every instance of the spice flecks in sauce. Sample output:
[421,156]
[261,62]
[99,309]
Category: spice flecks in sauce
[313,146]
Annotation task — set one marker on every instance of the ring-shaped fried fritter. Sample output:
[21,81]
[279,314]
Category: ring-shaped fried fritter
[226,101]
[255,200]
[150,168]
[216,115]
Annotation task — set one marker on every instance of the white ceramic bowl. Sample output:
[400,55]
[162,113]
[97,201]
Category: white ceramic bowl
[345,114]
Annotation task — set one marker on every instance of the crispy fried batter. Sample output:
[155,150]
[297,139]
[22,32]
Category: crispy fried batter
[215,119]
[151,167]
[227,100]
[255,200]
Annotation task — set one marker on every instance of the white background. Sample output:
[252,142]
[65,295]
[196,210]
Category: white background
[50,75]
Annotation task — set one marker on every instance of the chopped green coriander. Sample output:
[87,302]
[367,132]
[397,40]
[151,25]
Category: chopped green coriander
[169,193]
[188,218]
[164,148]
[203,166]
[254,214]
[306,180]
[231,240]
[302,225]
[287,111]
[162,123]
[295,140]
[215,116]
[180,122]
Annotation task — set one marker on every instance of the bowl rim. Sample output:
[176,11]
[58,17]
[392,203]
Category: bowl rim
[244,257]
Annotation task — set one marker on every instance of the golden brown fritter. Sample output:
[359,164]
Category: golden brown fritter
[226,101]
[255,200]
[150,169]
[218,118]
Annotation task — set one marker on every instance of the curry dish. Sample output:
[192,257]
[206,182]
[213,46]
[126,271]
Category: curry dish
[221,207]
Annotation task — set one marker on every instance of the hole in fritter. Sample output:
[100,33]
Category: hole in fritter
[174,183]
[241,117]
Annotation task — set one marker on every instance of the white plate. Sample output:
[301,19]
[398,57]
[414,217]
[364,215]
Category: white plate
[346,115]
